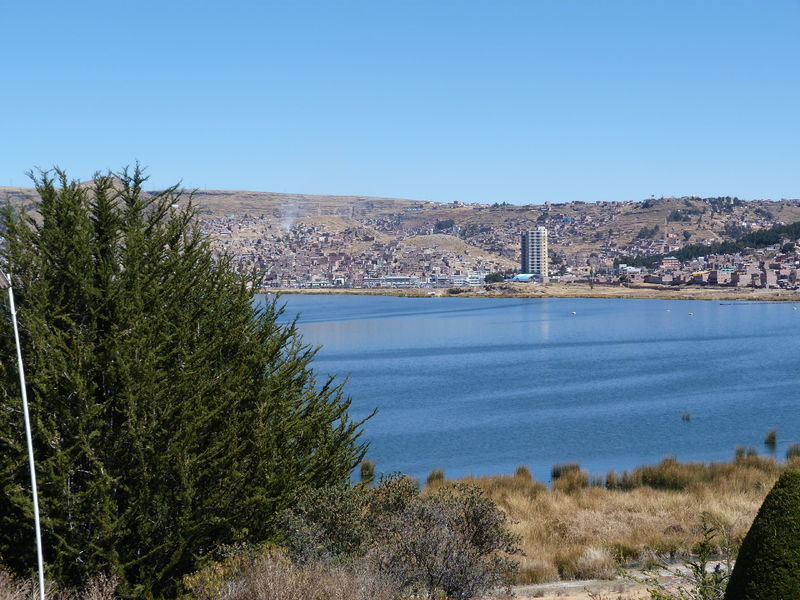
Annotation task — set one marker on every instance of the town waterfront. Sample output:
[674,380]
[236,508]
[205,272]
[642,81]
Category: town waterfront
[481,385]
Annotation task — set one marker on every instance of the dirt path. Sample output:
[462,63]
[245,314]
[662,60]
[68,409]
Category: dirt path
[583,590]
[620,588]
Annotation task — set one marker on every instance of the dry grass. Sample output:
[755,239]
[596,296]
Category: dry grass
[271,576]
[578,530]
[12,588]
[584,528]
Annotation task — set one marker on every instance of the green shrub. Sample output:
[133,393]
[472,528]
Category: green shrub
[367,472]
[560,469]
[393,493]
[325,524]
[435,477]
[666,475]
[771,439]
[696,579]
[768,565]
[494,278]
[444,225]
[451,540]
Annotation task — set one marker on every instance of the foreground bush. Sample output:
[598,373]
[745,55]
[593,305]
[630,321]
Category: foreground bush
[451,541]
[270,575]
[768,565]
[169,414]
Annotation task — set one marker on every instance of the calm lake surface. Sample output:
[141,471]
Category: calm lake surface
[483,385]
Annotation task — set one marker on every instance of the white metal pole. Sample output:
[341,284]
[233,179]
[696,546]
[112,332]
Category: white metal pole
[30,439]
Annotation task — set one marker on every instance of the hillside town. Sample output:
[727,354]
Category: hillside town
[462,247]
[300,241]
[772,268]
[306,255]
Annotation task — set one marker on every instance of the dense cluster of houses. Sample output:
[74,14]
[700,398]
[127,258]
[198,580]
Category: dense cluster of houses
[303,255]
[762,268]
[407,249]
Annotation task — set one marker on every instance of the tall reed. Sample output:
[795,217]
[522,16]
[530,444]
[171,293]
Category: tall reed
[634,518]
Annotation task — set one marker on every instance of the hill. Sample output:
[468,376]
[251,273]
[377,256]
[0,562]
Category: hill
[297,233]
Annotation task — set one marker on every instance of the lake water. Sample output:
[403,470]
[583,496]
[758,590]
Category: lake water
[473,385]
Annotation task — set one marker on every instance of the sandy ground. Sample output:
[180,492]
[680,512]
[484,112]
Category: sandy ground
[583,590]
[570,290]
[623,587]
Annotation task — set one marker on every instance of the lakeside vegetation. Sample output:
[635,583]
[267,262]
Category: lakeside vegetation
[390,540]
[564,290]
[588,527]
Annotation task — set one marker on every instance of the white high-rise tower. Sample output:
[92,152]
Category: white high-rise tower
[534,252]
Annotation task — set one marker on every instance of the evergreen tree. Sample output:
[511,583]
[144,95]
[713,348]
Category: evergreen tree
[169,414]
[768,565]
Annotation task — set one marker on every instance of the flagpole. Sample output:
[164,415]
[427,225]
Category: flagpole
[28,434]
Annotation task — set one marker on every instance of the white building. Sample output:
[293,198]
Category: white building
[534,252]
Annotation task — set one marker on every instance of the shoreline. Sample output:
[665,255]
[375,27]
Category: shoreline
[562,290]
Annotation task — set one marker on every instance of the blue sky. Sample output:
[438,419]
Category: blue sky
[494,101]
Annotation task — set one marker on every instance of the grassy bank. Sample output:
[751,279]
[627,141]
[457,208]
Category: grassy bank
[583,529]
[565,290]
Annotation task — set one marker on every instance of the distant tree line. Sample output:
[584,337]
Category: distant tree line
[473,229]
[444,225]
[496,277]
[763,212]
[755,239]
[684,214]
[717,204]
[647,232]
